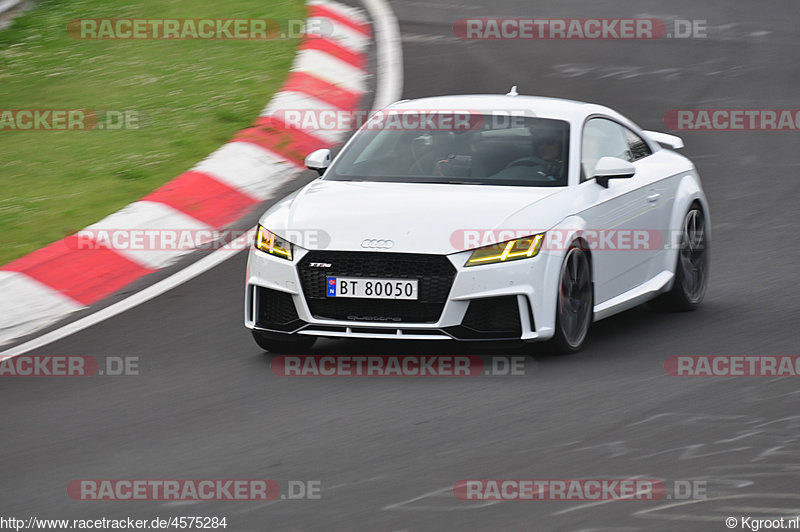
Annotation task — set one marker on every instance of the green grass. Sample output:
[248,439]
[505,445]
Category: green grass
[195,96]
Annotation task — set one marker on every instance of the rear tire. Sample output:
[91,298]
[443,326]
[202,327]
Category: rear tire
[293,344]
[691,269]
[575,302]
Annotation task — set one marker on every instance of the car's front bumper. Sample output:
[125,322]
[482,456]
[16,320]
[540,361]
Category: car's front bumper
[506,301]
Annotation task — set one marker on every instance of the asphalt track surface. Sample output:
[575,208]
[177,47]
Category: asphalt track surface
[388,450]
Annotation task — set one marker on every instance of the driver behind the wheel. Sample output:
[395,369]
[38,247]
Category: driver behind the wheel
[548,147]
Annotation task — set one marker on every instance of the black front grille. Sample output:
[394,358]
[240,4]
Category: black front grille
[497,315]
[434,273]
[276,310]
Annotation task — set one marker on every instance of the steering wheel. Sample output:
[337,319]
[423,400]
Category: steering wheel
[527,161]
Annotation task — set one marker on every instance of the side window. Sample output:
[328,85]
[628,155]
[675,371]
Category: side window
[602,138]
[638,147]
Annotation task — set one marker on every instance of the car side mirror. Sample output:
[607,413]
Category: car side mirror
[319,160]
[612,168]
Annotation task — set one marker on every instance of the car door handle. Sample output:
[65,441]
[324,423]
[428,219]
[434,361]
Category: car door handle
[652,198]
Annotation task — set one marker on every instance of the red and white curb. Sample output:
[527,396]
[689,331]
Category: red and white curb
[328,73]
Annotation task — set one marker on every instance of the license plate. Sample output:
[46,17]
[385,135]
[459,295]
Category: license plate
[365,288]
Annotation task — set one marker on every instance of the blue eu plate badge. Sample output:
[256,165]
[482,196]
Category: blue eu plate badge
[331,286]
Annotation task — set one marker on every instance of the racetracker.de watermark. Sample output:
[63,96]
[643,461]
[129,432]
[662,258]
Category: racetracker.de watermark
[173,490]
[185,239]
[192,489]
[492,28]
[171,239]
[458,120]
[562,239]
[252,29]
[733,366]
[595,489]
[67,366]
[733,119]
[599,489]
[395,366]
[71,120]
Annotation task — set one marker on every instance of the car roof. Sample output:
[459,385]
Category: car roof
[557,108]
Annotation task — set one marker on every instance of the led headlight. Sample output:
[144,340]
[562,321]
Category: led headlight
[520,248]
[273,244]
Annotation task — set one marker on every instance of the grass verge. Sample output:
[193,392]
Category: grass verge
[192,95]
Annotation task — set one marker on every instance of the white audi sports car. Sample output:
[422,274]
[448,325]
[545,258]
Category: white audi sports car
[480,218]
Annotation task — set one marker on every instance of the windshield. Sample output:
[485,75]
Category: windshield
[439,148]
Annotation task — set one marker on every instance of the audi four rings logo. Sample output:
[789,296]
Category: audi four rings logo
[375,243]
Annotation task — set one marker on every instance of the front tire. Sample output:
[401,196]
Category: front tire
[691,270]
[293,344]
[575,304]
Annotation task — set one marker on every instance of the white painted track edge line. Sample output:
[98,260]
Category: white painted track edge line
[193,270]
[389,52]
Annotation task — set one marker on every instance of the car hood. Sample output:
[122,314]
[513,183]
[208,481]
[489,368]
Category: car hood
[415,217]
